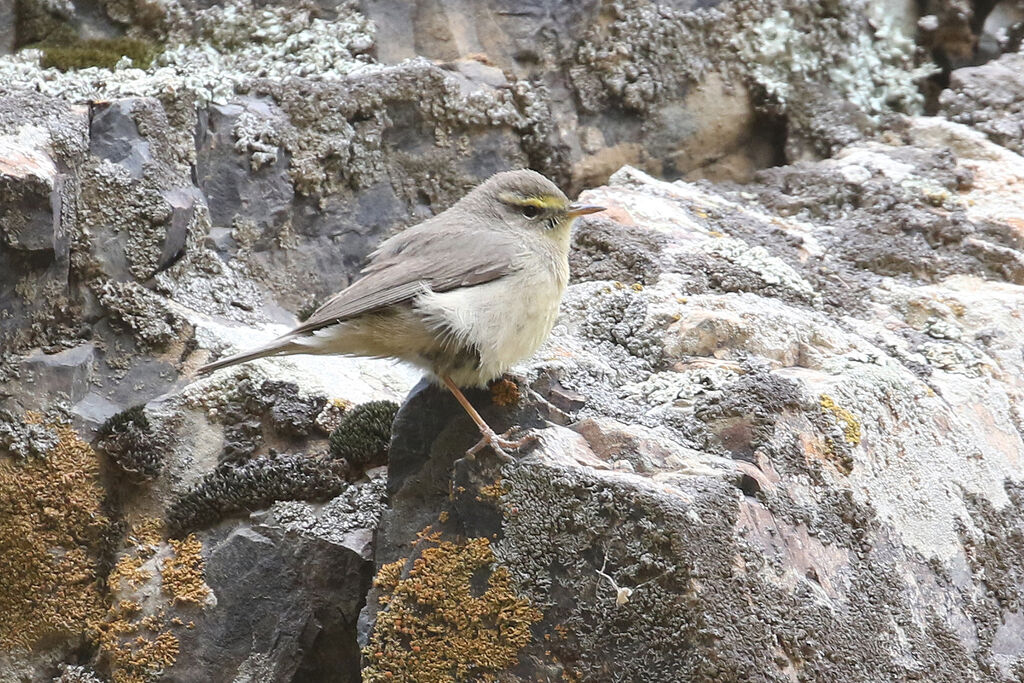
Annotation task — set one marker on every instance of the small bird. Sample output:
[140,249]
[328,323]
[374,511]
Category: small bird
[463,295]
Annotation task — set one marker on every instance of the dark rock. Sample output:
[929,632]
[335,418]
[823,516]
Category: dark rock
[7,22]
[302,627]
[114,136]
[34,241]
[238,187]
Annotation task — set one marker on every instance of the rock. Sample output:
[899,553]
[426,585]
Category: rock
[134,159]
[240,168]
[114,136]
[781,404]
[34,241]
[67,374]
[7,34]
[302,626]
[989,98]
[742,453]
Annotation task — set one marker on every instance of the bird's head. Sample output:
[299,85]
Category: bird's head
[527,200]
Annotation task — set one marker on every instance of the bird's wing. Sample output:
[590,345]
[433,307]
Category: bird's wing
[423,257]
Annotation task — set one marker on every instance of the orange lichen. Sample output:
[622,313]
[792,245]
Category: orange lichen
[183,575]
[137,650]
[495,490]
[137,642]
[435,624]
[128,573]
[52,530]
[505,393]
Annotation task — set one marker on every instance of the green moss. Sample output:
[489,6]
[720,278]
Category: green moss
[363,437]
[33,23]
[37,27]
[101,52]
[436,625]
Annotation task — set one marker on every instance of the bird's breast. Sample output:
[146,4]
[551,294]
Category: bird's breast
[506,319]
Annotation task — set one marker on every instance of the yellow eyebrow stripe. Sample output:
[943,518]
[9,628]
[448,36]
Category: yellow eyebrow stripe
[549,202]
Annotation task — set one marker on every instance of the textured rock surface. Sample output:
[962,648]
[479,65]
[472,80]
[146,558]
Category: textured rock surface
[779,419]
[780,458]
[990,98]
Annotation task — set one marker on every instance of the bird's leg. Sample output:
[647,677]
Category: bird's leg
[497,442]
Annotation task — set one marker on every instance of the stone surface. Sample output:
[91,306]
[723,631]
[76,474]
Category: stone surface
[749,449]
[989,98]
[778,422]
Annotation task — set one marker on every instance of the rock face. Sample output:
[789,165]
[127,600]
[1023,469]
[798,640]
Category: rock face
[779,421]
[783,461]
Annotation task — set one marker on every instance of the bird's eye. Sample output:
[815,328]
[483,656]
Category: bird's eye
[530,211]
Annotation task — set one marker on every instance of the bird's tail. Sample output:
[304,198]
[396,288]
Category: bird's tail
[278,347]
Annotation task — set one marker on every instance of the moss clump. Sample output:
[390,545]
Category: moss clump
[436,625]
[128,440]
[851,425]
[363,437]
[52,535]
[34,23]
[253,485]
[101,52]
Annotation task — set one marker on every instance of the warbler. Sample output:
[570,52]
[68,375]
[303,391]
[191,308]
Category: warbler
[463,295]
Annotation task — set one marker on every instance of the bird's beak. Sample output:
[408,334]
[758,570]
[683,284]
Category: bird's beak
[582,209]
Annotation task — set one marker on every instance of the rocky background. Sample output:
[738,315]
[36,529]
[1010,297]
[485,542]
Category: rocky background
[780,418]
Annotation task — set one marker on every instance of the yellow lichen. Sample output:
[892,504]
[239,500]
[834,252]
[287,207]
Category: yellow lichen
[137,650]
[183,575]
[505,393]
[436,625]
[851,425]
[148,532]
[138,643]
[495,490]
[52,530]
[128,573]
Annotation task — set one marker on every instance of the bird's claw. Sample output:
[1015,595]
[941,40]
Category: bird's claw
[500,444]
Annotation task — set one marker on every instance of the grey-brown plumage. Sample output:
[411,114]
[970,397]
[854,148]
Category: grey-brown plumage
[463,295]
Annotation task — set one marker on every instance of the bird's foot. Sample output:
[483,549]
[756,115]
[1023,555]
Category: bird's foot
[500,443]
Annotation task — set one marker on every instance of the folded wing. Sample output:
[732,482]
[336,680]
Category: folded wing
[426,257]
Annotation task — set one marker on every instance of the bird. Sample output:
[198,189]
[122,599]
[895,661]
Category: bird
[463,295]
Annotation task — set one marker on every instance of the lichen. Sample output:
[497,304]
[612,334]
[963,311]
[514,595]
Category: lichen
[128,439]
[505,392]
[435,624]
[138,649]
[23,440]
[137,638]
[140,312]
[52,534]
[363,437]
[851,425]
[241,487]
[183,575]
